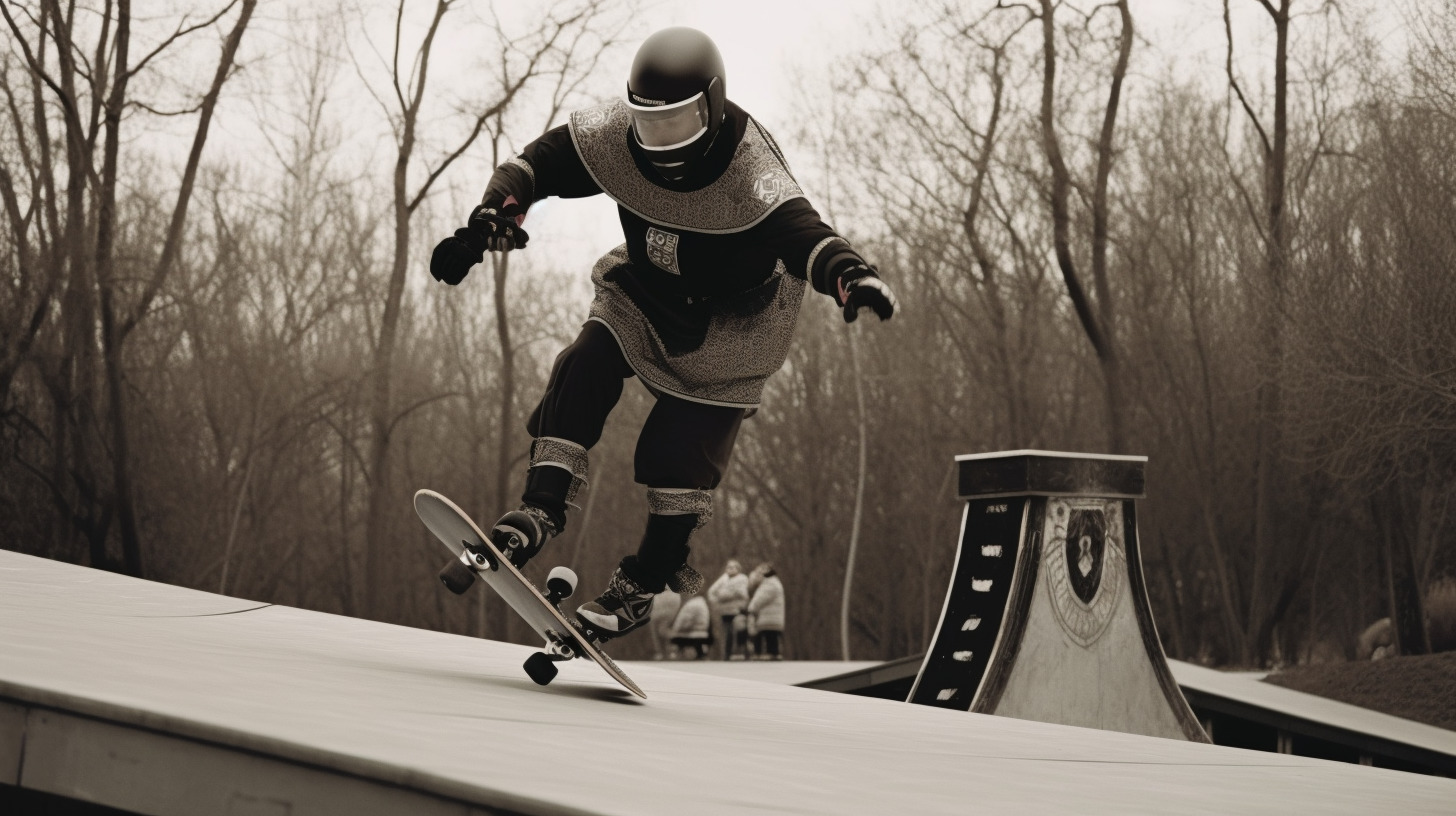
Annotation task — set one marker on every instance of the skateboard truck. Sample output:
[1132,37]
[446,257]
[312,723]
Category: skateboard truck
[541,666]
[459,574]
[479,557]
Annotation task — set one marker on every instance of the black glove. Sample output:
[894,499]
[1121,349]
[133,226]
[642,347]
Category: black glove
[488,230]
[453,257]
[858,288]
[501,230]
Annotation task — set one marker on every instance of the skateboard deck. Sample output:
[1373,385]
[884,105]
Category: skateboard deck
[474,549]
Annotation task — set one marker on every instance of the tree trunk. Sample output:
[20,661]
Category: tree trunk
[114,333]
[1096,323]
[1403,594]
[381,391]
[859,490]
[1269,397]
[506,429]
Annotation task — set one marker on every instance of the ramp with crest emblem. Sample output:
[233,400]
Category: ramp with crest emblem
[1047,616]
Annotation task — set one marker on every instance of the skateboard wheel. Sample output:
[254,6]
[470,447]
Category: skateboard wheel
[457,577]
[541,668]
[560,583]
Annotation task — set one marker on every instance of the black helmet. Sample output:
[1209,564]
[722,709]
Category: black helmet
[676,93]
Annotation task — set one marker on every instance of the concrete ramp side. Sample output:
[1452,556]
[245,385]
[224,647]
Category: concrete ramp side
[1047,616]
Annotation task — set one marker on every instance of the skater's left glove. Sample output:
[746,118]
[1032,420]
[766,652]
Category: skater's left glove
[858,287]
[499,230]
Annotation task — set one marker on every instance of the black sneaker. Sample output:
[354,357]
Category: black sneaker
[621,609]
[520,534]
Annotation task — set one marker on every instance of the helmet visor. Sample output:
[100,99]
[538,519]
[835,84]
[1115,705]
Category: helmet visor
[665,127]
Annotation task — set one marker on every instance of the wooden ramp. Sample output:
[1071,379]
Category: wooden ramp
[161,700]
[1047,615]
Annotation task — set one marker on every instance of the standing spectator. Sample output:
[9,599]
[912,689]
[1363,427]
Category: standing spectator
[665,606]
[766,611]
[729,596]
[750,629]
[691,628]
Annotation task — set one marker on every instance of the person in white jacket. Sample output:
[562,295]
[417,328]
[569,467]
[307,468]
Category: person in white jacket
[766,613]
[729,597]
[665,606]
[691,629]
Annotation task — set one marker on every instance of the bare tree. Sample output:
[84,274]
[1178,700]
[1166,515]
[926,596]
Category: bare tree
[1098,319]
[93,98]
[539,53]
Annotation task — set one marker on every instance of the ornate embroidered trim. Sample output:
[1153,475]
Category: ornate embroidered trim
[663,501]
[756,182]
[551,451]
[525,165]
[814,254]
[686,580]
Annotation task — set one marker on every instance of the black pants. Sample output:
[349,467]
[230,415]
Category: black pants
[693,648]
[682,445]
[766,642]
[734,641]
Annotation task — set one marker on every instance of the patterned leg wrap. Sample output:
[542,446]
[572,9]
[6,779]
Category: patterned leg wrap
[550,451]
[663,501]
[557,472]
[686,581]
[675,515]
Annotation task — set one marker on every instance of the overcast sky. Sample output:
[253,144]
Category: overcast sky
[772,49]
[771,46]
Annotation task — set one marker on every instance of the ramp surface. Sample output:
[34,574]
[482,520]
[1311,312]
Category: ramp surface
[163,700]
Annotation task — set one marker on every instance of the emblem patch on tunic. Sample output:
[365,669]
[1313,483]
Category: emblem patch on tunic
[588,121]
[662,249]
[768,187]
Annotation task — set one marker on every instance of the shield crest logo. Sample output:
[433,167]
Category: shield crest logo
[662,249]
[1086,541]
[1083,564]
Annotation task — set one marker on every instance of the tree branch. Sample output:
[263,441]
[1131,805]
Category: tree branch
[1233,80]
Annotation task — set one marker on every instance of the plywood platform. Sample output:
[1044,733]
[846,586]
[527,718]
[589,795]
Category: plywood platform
[163,700]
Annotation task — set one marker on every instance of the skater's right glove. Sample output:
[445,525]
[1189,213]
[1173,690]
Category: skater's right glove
[488,230]
[858,287]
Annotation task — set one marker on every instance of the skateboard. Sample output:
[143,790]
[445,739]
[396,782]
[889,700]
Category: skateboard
[477,556]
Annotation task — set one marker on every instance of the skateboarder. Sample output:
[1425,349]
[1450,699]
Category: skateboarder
[699,303]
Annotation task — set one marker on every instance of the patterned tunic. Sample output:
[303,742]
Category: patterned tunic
[704,294]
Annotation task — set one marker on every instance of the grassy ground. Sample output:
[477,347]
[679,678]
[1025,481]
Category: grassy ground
[1420,688]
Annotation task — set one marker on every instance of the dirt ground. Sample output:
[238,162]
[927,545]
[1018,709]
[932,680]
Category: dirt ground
[1420,688]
